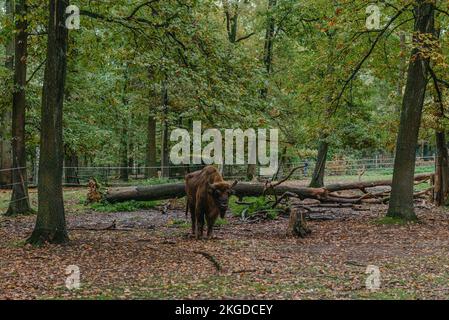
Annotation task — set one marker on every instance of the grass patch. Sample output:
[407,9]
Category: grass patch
[390,221]
[221,222]
[17,244]
[181,223]
[127,206]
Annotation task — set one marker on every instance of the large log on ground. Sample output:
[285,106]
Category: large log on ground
[243,189]
[146,193]
[176,190]
[369,184]
[247,189]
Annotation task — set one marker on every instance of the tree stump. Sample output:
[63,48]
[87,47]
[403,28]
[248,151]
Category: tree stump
[94,195]
[297,225]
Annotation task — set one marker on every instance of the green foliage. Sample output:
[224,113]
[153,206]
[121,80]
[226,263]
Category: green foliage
[221,222]
[181,223]
[253,205]
[127,206]
[117,66]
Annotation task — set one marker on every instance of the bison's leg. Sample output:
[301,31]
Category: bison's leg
[193,218]
[199,223]
[210,219]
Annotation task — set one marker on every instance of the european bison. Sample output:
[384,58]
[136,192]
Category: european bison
[207,198]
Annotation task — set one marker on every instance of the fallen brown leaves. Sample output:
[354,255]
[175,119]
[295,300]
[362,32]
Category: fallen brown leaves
[156,259]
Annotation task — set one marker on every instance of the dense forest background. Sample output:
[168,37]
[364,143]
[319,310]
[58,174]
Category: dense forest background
[230,64]
[92,90]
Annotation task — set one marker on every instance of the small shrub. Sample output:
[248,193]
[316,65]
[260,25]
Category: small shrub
[255,205]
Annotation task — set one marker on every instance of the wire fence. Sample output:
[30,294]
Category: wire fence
[336,170]
[116,176]
[6,184]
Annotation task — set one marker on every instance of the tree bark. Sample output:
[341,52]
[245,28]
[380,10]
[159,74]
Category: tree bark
[19,203]
[71,162]
[5,115]
[242,189]
[50,223]
[165,161]
[177,190]
[151,171]
[441,182]
[131,160]
[232,16]
[124,174]
[268,64]
[297,226]
[401,202]
[124,134]
[402,68]
[268,47]
[251,172]
[320,165]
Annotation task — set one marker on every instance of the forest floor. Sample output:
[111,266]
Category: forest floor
[149,255]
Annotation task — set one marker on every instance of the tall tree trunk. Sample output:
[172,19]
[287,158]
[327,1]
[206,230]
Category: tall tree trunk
[441,183]
[124,174]
[71,162]
[320,166]
[232,16]
[165,134]
[268,46]
[124,134]
[151,171]
[19,203]
[402,67]
[317,180]
[131,159]
[441,180]
[5,115]
[50,223]
[131,147]
[401,201]
[251,171]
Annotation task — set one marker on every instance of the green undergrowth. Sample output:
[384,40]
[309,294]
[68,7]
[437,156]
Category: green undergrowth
[127,206]
[390,221]
[253,205]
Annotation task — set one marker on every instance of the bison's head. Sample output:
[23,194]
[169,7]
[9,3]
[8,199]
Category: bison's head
[220,192]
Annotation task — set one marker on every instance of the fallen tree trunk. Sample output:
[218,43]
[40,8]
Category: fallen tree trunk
[243,189]
[176,190]
[370,184]
[146,193]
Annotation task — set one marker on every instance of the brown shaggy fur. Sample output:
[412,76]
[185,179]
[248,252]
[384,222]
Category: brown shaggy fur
[207,198]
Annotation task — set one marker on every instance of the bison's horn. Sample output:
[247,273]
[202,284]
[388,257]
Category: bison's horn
[234,184]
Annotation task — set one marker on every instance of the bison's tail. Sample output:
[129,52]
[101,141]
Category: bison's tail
[187,208]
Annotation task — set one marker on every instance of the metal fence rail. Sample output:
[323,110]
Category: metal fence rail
[114,176]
